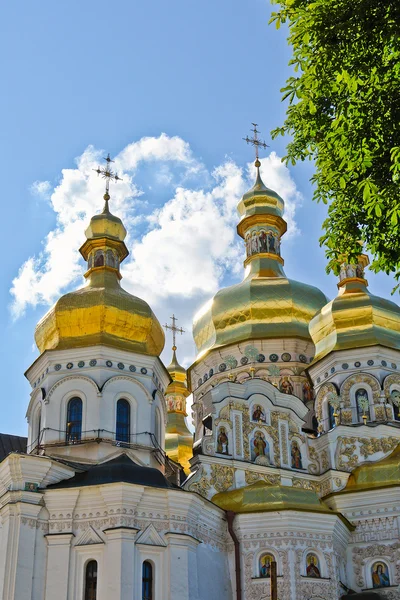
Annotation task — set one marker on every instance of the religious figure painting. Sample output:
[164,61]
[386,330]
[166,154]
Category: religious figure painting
[110,259]
[285,386]
[313,568]
[258,413]
[296,456]
[254,243]
[263,242]
[99,259]
[222,441]
[308,395]
[248,245]
[271,242]
[265,565]
[259,446]
[380,575]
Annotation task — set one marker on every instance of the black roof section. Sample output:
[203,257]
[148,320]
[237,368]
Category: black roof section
[12,443]
[119,469]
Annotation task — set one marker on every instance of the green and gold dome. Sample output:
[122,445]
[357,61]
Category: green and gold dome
[264,497]
[266,304]
[178,439]
[355,318]
[101,312]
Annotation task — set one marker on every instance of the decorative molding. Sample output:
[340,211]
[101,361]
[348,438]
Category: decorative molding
[151,537]
[71,378]
[89,537]
[221,477]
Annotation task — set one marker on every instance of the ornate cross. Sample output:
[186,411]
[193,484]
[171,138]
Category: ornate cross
[174,330]
[254,141]
[107,173]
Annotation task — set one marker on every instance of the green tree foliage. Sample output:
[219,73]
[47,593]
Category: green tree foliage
[344,112]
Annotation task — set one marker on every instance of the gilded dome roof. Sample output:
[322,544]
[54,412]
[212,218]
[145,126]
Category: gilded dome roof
[260,307]
[383,473]
[263,497]
[102,312]
[355,319]
[266,304]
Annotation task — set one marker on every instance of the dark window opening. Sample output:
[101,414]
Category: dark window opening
[91,580]
[74,420]
[123,421]
[147,581]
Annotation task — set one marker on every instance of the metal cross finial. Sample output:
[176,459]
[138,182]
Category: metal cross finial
[254,141]
[109,175]
[174,330]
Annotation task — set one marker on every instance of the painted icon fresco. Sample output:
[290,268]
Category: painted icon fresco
[380,575]
[99,258]
[265,565]
[286,386]
[258,413]
[297,462]
[313,568]
[259,446]
[308,394]
[262,242]
[222,441]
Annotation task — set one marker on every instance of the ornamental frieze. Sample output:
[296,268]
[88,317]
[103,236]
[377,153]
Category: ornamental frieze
[222,477]
[388,552]
[370,446]
[325,389]
[202,484]
[359,378]
[348,458]
[252,477]
[390,380]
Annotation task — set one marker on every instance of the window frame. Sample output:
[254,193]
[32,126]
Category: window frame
[119,423]
[68,430]
[86,590]
[148,580]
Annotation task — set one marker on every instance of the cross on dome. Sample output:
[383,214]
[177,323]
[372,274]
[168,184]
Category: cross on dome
[174,330]
[109,175]
[254,141]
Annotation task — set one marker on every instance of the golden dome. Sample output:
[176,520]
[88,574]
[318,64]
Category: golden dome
[101,312]
[263,497]
[178,439]
[355,319]
[378,474]
[266,304]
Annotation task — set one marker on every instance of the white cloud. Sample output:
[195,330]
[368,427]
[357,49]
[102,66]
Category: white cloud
[41,189]
[181,250]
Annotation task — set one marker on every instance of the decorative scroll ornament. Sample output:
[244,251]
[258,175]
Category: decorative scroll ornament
[334,400]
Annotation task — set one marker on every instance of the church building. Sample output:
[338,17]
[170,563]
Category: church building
[294,459]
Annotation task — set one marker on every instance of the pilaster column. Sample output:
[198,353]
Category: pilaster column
[119,558]
[58,563]
[183,575]
[17,549]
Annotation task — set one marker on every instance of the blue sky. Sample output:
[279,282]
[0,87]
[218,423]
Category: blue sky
[83,77]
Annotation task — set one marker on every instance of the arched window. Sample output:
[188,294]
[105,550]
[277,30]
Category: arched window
[362,404]
[147,581]
[394,396]
[157,425]
[99,259]
[74,420]
[123,421]
[331,418]
[38,427]
[91,580]
[380,574]
[110,259]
